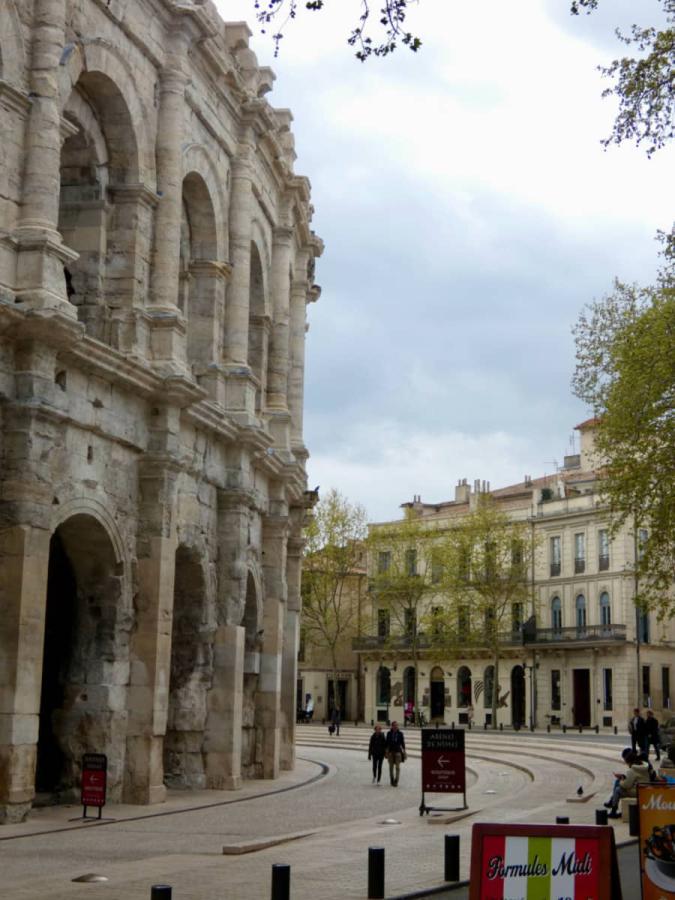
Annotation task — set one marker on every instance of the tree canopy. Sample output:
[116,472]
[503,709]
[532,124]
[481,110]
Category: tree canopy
[625,349]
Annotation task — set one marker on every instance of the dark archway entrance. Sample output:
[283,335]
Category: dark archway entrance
[86,639]
[437,693]
[251,735]
[518,696]
[191,674]
[582,696]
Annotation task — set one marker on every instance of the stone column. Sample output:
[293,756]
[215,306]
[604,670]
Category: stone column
[277,383]
[289,665]
[24,561]
[298,329]
[168,326]
[206,322]
[268,700]
[150,651]
[241,215]
[222,740]
[40,280]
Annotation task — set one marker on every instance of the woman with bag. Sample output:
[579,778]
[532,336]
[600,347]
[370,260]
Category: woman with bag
[395,746]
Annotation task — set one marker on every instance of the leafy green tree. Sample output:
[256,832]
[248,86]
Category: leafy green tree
[404,566]
[332,578]
[487,561]
[644,83]
[625,371]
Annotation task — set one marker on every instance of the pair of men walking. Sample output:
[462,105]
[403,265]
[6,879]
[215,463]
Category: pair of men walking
[644,731]
[391,745]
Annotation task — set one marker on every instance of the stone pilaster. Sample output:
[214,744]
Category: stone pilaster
[40,281]
[168,326]
[241,214]
[289,665]
[268,699]
[298,329]
[222,739]
[206,323]
[277,386]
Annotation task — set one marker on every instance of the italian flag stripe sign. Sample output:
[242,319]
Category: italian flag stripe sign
[538,868]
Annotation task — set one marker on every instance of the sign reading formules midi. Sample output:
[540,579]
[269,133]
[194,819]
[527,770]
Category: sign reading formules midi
[443,765]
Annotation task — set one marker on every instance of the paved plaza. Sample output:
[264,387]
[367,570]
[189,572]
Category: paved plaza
[320,819]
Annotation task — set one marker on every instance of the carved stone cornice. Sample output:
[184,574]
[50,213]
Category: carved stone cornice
[13,99]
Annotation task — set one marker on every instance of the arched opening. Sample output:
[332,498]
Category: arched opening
[437,694]
[605,610]
[409,703]
[518,696]
[200,284]
[464,687]
[99,153]
[580,606]
[190,678]
[251,737]
[85,660]
[556,614]
[259,327]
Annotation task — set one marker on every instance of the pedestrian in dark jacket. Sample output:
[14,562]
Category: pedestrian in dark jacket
[652,734]
[636,729]
[376,751]
[335,720]
[395,745]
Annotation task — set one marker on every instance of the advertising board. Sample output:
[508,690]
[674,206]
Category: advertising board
[656,817]
[543,862]
[443,761]
[94,779]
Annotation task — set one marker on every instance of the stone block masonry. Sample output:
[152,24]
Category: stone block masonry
[156,262]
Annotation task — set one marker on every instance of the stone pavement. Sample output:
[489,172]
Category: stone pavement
[320,819]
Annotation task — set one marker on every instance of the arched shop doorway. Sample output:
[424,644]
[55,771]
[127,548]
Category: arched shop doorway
[437,694]
[86,646]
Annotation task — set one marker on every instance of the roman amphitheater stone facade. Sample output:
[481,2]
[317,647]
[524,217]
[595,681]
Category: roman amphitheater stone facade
[156,261]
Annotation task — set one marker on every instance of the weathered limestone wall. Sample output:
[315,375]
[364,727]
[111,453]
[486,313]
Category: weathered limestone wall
[155,259]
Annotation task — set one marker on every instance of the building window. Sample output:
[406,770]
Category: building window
[410,622]
[581,613]
[646,687]
[579,553]
[383,562]
[463,621]
[411,562]
[603,550]
[302,646]
[383,686]
[556,614]
[517,616]
[643,535]
[605,609]
[383,623]
[643,626]
[555,689]
[607,689]
[436,570]
[555,556]
[436,620]
[665,687]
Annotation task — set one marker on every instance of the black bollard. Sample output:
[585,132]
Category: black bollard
[160,892]
[452,857]
[452,725]
[580,729]
[375,873]
[597,729]
[548,728]
[501,726]
[485,725]
[564,729]
[615,730]
[601,817]
[469,724]
[281,881]
[562,820]
[633,826]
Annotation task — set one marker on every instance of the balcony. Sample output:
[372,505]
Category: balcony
[603,563]
[389,642]
[587,633]
[579,565]
[555,569]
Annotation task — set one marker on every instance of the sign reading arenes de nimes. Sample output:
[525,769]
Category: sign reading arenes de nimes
[443,766]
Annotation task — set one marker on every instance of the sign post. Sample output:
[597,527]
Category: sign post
[656,818]
[543,862]
[443,764]
[94,782]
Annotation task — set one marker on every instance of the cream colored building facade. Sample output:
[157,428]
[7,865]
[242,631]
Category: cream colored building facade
[156,261]
[591,658]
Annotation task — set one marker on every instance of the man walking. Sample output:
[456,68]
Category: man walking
[395,746]
[636,729]
[652,734]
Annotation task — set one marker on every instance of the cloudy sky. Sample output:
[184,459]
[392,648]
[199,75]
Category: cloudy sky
[469,213]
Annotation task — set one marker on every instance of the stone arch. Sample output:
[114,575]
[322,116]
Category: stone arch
[197,160]
[86,654]
[101,60]
[191,672]
[259,323]
[13,68]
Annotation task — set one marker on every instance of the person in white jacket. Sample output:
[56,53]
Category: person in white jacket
[626,784]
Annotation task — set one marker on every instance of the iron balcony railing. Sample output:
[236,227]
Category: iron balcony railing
[587,633]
